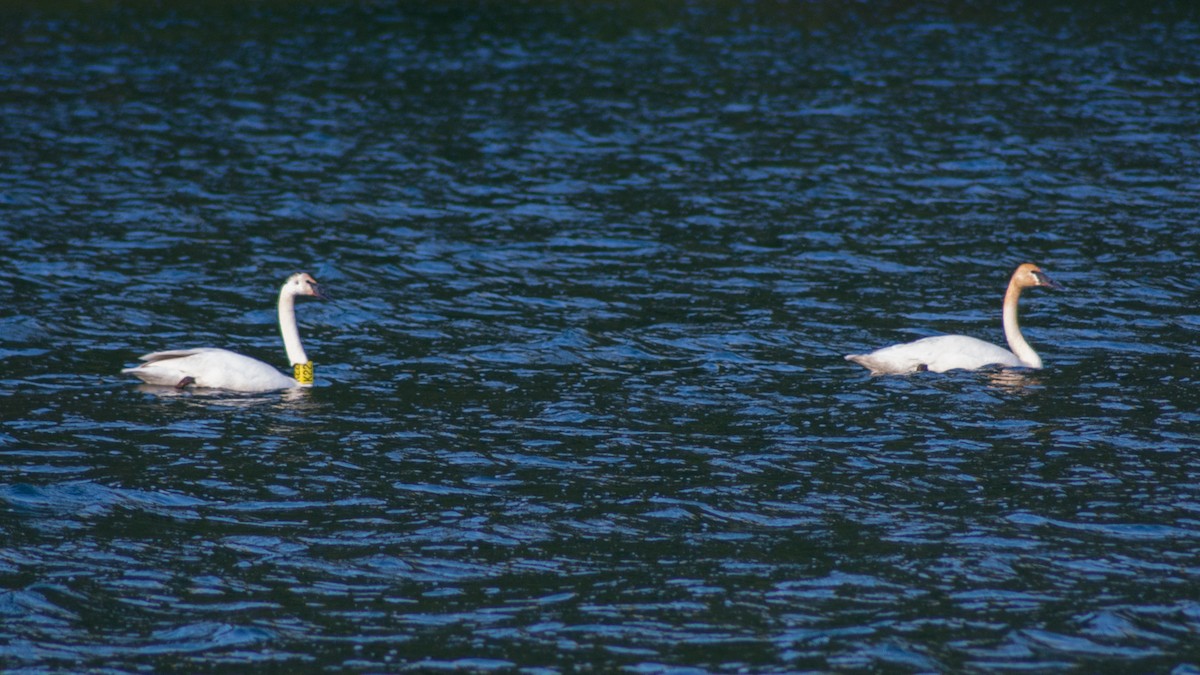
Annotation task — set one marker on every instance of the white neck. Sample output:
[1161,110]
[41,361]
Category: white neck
[287,326]
[1012,331]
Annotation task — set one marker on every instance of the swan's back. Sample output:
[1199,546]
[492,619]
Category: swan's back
[939,354]
[212,368]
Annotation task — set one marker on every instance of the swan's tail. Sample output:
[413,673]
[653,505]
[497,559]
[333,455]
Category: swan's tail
[863,360]
[880,367]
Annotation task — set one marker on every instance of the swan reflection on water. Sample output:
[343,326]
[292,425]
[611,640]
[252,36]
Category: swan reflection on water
[1014,381]
[223,397]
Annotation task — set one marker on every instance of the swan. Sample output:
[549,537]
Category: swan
[948,352]
[213,368]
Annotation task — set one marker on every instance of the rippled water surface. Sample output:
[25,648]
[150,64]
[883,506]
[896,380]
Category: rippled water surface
[581,402]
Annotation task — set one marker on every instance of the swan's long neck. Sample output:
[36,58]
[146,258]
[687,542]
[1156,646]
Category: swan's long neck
[287,326]
[1012,331]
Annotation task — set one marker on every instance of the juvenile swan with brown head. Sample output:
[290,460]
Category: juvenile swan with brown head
[222,369]
[948,352]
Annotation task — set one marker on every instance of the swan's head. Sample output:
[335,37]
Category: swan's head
[1030,275]
[302,283]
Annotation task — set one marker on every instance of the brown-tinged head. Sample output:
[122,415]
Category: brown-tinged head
[1029,275]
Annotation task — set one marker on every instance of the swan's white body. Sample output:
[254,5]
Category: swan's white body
[212,368]
[949,352]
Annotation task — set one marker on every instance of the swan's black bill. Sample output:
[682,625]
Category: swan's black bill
[1044,279]
[318,291]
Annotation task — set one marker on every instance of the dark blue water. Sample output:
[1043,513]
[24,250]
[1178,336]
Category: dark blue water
[581,402]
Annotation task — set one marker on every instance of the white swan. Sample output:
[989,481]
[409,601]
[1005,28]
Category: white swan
[213,368]
[948,352]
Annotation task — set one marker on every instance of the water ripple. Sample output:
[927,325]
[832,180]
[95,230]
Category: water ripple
[581,402]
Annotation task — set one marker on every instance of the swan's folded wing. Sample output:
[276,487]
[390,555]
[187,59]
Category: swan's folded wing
[210,367]
[173,354]
[939,354]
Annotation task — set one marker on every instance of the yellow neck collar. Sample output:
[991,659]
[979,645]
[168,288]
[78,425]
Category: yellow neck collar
[304,372]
